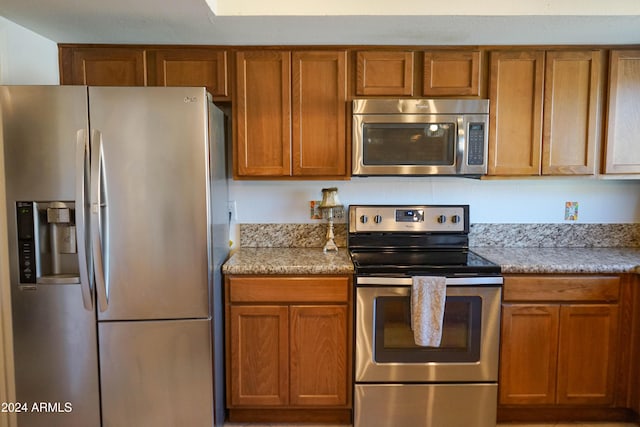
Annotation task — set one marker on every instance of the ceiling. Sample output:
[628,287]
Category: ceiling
[191,22]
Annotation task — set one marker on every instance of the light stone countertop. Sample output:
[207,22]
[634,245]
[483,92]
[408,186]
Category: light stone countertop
[288,261]
[302,261]
[563,260]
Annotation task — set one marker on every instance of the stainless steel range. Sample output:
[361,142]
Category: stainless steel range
[397,382]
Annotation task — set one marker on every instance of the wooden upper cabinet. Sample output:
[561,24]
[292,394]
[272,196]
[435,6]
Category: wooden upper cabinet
[262,114]
[384,73]
[448,73]
[622,155]
[319,146]
[572,112]
[190,67]
[290,114]
[546,112]
[515,123]
[102,66]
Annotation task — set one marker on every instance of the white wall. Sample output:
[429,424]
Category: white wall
[421,7]
[491,201]
[25,58]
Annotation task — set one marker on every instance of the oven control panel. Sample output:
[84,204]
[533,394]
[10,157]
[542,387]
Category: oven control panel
[418,219]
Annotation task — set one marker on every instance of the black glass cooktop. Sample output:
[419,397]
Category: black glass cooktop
[410,262]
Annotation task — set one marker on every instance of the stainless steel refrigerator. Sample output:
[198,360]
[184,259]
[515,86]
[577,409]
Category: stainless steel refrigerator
[118,225]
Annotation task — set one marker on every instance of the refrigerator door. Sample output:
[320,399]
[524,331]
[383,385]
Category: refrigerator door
[149,202]
[156,373]
[55,343]
[219,196]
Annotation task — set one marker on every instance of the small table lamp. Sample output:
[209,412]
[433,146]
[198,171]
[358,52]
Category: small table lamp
[329,202]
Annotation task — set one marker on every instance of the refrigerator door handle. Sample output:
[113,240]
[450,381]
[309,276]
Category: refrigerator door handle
[84,262]
[99,221]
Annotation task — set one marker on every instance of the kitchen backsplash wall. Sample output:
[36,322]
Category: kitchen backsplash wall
[496,235]
[522,201]
[555,235]
[289,235]
[495,205]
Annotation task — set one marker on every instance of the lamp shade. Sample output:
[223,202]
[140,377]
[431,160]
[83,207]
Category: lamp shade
[329,198]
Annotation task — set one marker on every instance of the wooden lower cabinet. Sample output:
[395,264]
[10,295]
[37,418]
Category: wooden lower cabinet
[564,348]
[529,354]
[259,371]
[288,348]
[633,373]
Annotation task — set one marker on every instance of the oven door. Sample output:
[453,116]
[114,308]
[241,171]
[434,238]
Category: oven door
[386,351]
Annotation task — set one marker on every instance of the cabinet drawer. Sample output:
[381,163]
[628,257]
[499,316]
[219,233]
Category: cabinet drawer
[561,288]
[289,289]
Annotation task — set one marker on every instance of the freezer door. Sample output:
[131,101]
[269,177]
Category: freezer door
[56,358]
[55,342]
[149,202]
[40,127]
[156,373]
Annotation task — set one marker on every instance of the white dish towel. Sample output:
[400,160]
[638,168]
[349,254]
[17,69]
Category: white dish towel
[428,294]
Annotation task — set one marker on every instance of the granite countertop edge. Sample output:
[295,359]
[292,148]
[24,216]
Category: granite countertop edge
[520,260]
[288,261]
[562,260]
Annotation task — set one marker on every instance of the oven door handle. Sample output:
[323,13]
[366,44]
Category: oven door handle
[451,281]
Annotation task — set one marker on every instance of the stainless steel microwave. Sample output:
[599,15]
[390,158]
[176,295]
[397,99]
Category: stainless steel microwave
[420,136]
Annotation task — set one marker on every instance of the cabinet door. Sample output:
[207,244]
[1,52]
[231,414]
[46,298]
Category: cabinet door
[515,130]
[318,360]
[318,114]
[190,67]
[634,371]
[449,73]
[528,355]
[384,73]
[586,361]
[259,355]
[103,66]
[572,112]
[262,113]
[623,146]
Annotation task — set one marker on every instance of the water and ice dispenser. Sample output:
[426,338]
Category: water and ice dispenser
[47,242]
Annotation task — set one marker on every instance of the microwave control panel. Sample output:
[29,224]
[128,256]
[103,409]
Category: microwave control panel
[476,144]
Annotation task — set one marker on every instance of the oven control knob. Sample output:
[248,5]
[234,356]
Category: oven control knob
[364,219]
[377,219]
[442,219]
[455,219]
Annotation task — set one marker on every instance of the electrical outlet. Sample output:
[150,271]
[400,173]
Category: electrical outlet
[314,209]
[339,215]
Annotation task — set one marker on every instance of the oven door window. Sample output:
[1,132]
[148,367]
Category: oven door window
[428,144]
[394,340]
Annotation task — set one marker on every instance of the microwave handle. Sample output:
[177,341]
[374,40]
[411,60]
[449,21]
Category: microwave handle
[461,137]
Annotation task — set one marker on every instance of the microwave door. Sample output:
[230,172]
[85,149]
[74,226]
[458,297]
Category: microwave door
[426,145]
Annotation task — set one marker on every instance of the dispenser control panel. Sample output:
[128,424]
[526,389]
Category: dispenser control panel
[26,242]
